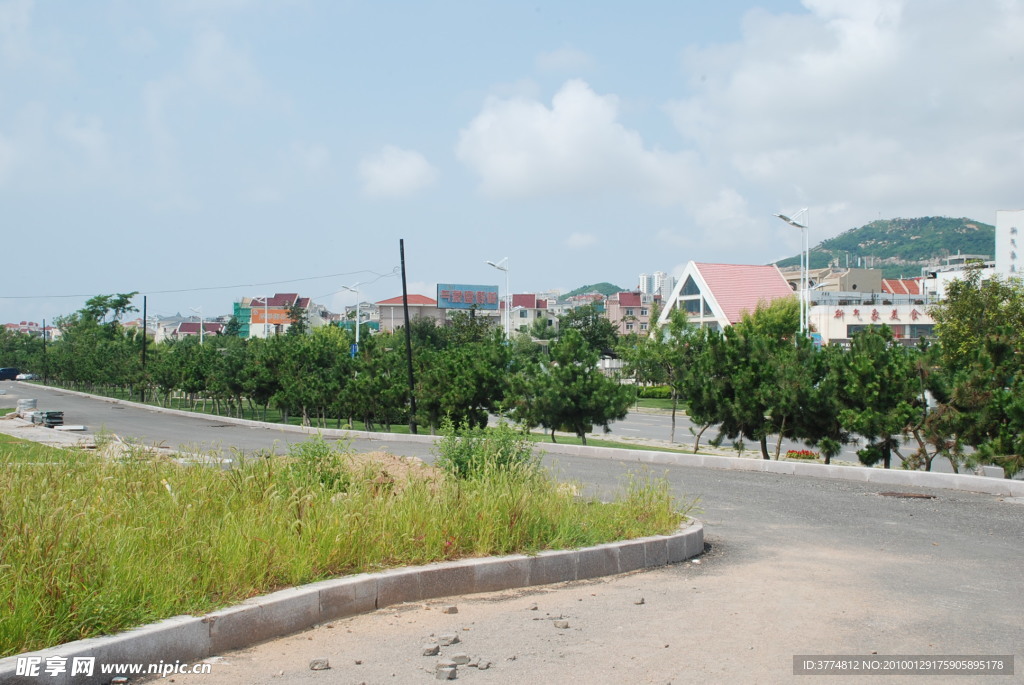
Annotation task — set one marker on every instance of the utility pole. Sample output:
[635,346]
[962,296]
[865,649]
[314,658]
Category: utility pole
[408,341]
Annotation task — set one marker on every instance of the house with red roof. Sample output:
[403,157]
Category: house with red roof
[261,317]
[718,295]
[185,329]
[630,311]
[527,308]
[392,311]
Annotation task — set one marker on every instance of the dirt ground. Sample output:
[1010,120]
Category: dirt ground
[708,621]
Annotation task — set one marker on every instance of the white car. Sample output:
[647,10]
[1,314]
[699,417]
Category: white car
[26,377]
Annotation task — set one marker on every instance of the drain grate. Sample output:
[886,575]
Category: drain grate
[907,495]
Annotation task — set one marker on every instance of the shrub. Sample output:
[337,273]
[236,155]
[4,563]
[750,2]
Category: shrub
[317,463]
[474,452]
[656,392]
[801,454]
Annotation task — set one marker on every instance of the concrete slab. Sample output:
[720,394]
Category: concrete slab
[553,567]
[501,573]
[594,562]
[398,585]
[344,597]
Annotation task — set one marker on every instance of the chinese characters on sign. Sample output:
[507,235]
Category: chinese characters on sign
[455,296]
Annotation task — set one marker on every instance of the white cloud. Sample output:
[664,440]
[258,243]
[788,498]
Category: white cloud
[15,20]
[7,158]
[88,136]
[522,148]
[221,68]
[882,107]
[580,241]
[394,172]
[564,60]
[309,157]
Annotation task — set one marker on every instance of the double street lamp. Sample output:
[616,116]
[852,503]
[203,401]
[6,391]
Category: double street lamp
[352,289]
[805,267]
[503,266]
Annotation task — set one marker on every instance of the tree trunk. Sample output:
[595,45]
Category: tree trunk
[696,440]
[675,403]
[778,443]
[553,436]
[763,440]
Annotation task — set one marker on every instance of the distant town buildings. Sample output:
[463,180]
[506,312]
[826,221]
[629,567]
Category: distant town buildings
[841,301]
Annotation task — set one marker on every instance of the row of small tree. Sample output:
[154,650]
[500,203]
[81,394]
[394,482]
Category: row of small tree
[959,397]
[758,381]
[463,372]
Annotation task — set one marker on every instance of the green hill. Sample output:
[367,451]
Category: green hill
[900,247]
[605,289]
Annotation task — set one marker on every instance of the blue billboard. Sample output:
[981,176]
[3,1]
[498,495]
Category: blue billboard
[458,296]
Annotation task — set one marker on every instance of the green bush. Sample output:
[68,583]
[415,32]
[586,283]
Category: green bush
[656,392]
[316,463]
[466,452]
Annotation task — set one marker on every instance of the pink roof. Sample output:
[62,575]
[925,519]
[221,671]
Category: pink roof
[901,286]
[414,300]
[738,288]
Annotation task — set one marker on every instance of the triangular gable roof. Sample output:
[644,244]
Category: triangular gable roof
[414,300]
[731,290]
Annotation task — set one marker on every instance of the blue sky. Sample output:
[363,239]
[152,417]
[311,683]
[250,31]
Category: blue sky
[198,151]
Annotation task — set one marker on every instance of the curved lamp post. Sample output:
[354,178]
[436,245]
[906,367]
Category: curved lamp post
[805,267]
[503,266]
[352,289]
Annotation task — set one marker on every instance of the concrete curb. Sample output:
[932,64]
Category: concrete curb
[1001,487]
[187,639]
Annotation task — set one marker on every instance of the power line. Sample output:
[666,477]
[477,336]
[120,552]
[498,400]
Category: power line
[213,287]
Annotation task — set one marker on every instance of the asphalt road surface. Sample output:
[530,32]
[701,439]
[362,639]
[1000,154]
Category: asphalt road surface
[793,566]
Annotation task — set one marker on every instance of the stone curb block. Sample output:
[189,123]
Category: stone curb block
[192,638]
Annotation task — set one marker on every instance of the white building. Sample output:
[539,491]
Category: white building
[659,283]
[1009,233]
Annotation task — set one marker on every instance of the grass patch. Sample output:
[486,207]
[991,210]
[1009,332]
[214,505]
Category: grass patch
[658,403]
[17,451]
[598,442]
[91,546]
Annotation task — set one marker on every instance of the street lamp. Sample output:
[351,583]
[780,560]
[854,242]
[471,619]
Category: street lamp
[355,348]
[503,266]
[805,266]
[199,311]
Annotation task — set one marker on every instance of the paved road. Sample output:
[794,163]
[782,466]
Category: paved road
[795,565]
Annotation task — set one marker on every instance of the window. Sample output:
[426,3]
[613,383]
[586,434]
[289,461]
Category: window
[643,327]
[690,288]
[523,314]
[643,312]
[629,312]
[629,326]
